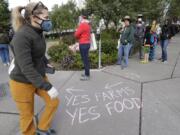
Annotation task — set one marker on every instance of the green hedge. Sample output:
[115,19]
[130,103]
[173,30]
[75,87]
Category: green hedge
[109,46]
[110,34]
[68,39]
[67,60]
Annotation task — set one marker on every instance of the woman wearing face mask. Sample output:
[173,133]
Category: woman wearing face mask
[27,72]
[139,36]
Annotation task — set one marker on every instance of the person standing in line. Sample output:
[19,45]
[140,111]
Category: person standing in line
[28,70]
[147,44]
[132,45]
[83,34]
[139,36]
[154,37]
[4,47]
[127,37]
[158,32]
[140,16]
[165,36]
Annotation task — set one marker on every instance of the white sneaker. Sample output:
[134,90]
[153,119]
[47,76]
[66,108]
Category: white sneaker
[165,62]
[85,78]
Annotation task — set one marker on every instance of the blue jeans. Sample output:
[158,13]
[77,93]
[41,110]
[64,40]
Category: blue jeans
[152,53]
[84,50]
[164,45]
[4,53]
[123,51]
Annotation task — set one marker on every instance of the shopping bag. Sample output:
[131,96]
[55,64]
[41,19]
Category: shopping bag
[93,43]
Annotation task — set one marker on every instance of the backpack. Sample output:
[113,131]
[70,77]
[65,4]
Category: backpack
[165,33]
[153,39]
[139,32]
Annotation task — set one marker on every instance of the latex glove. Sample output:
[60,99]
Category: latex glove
[53,93]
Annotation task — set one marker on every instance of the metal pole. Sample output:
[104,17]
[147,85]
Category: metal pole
[98,32]
[100,66]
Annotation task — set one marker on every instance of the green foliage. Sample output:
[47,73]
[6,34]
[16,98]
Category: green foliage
[68,39]
[68,60]
[4,14]
[174,10]
[93,58]
[57,52]
[114,10]
[109,39]
[109,46]
[64,16]
[110,34]
[77,64]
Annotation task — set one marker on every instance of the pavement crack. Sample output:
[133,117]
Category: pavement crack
[153,81]
[175,65]
[113,74]
[67,80]
[140,111]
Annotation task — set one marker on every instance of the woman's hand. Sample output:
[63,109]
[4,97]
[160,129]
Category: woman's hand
[53,93]
[49,65]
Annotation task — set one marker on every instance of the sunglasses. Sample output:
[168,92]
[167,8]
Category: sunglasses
[39,4]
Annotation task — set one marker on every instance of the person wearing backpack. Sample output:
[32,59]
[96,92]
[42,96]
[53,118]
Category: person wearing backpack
[165,36]
[139,36]
[4,47]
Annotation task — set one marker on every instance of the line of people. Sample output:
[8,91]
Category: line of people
[4,46]
[28,69]
[145,39]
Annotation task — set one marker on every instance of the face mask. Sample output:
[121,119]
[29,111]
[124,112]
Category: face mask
[139,24]
[46,25]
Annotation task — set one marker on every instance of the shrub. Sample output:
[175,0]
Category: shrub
[58,52]
[110,34]
[93,58]
[109,46]
[68,60]
[68,39]
[77,65]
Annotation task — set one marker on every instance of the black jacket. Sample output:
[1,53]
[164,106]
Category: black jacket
[127,35]
[166,33]
[4,38]
[29,49]
[139,32]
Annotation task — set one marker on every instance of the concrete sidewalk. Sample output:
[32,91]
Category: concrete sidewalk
[140,100]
